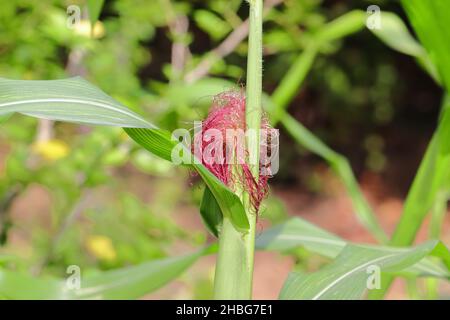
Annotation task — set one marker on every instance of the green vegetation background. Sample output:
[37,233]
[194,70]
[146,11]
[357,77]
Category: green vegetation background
[90,197]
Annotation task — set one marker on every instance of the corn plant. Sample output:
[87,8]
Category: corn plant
[228,211]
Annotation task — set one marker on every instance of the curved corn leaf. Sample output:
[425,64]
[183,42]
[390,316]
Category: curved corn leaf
[343,26]
[76,100]
[71,100]
[126,283]
[394,33]
[159,142]
[348,276]
[297,232]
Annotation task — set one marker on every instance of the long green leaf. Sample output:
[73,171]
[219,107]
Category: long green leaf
[135,281]
[297,232]
[127,283]
[394,33]
[431,179]
[433,176]
[76,100]
[430,20]
[94,8]
[71,100]
[343,26]
[347,276]
[157,141]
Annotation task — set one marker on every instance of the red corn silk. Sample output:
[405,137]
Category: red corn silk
[228,112]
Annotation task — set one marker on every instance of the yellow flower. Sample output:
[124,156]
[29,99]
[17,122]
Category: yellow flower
[51,150]
[101,247]
[83,28]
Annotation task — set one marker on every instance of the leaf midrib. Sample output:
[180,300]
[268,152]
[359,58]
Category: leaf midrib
[78,101]
[323,291]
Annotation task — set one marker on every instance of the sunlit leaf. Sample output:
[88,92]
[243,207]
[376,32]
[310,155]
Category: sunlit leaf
[347,277]
[297,232]
[71,100]
[394,33]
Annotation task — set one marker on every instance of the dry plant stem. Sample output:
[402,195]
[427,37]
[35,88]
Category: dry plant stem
[179,27]
[234,268]
[225,48]
[180,51]
[44,130]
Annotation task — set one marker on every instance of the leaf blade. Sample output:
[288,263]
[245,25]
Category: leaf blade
[297,232]
[346,277]
[72,100]
[126,283]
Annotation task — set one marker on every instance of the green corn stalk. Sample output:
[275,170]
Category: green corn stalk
[234,269]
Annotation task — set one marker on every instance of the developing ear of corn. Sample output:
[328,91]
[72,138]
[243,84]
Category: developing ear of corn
[227,119]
